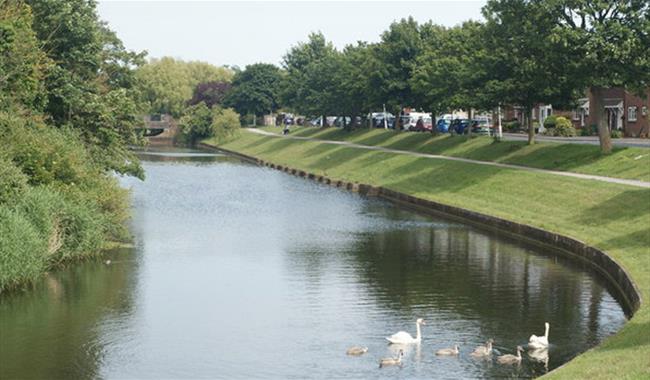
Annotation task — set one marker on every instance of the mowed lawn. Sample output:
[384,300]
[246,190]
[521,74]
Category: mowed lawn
[627,163]
[615,218]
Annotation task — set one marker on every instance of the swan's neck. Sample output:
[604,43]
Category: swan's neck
[546,332]
[489,347]
[418,334]
[519,354]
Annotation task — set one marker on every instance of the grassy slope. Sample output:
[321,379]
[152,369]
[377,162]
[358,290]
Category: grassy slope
[628,163]
[615,218]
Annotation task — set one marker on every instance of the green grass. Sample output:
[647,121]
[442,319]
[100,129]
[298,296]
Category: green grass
[612,217]
[626,163]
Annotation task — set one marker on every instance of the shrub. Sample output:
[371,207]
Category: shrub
[562,127]
[71,227]
[46,154]
[590,130]
[13,182]
[196,123]
[225,123]
[617,134]
[22,249]
[511,126]
[550,121]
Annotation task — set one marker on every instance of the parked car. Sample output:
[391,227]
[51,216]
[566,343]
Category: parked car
[443,125]
[409,121]
[459,126]
[377,119]
[482,127]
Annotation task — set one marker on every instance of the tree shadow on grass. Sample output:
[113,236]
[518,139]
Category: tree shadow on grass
[420,175]
[635,240]
[628,204]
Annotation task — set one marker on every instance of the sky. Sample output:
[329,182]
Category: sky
[239,33]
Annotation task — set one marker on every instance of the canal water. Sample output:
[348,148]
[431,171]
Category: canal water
[240,271]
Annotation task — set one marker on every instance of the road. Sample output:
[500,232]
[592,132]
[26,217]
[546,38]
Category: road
[621,181]
[592,140]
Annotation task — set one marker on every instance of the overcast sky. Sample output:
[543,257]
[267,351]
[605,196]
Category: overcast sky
[245,32]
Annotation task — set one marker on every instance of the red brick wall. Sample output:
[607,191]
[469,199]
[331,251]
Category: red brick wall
[640,127]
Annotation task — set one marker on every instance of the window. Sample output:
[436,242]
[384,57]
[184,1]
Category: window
[575,115]
[644,111]
[631,113]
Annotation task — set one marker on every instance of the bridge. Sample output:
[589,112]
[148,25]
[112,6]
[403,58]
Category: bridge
[159,127]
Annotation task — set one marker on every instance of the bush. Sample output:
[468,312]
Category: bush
[22,249]
[511,126]
[591,130]
[225,123]
[13,182]
[196,123]
[71,227]
[617,134]
[562,127]
[550,121]
[46,154]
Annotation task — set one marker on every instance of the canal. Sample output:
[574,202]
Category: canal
[240,271]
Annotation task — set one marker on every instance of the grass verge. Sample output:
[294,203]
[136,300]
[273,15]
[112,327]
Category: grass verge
[612,217]
[626,163]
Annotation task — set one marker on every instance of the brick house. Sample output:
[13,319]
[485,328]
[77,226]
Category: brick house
[626,112]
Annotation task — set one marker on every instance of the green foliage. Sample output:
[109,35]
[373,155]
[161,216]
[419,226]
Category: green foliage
[167,84]
[45,154]
[303,63]
[22,64]
[225,123]
[561,126]
[589,130]
[196,123]
[616,134]
[13,183]
[256,89]
[21,249]
[511,126]
[549,122]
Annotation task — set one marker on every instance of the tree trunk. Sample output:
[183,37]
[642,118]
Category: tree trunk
[597,109]
[531,127]
[469,125]
[398,119]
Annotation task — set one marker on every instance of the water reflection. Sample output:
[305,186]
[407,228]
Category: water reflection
[241,271]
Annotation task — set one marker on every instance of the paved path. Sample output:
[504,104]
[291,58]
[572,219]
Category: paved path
[629,182]
[591,140]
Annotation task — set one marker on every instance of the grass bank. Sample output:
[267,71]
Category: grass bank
[612,217]
[626,163]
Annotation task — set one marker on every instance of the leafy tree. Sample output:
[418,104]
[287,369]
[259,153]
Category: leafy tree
[210,93]
[225,123]
[450,72]
[526,65]
[256,89]
[392,65]
[23,65]
[196,123]
[301,65]
[612,41]
[88,82]
[167,84]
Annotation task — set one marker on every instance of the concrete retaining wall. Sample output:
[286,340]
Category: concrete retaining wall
[601,261]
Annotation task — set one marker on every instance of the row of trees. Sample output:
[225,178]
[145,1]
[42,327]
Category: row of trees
[526,52]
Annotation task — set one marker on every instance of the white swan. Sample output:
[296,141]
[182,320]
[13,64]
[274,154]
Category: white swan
[483,351]
[511,359]
[448,351]
[538,342]
[356,350]
[403,337]
[392,361]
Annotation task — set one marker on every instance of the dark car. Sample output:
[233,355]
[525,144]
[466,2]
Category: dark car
[459,126]
[482,127]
